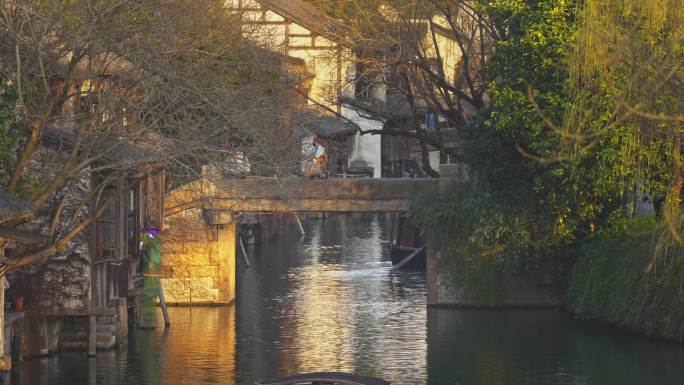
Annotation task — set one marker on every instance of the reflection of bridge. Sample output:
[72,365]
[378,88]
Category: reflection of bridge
[300,195]
[199,240]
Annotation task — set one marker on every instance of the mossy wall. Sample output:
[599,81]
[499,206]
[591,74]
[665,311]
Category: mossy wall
[479,281]
[631,280]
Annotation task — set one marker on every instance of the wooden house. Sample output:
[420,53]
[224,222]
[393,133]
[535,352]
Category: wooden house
[80,296]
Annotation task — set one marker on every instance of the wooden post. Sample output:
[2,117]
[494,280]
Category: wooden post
[122,322]
[92,372]
[92,336]
[299,225]
[5,360]
[162,302]
[44,346]
[244,252]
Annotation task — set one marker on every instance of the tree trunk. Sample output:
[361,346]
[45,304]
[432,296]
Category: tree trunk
[673,200]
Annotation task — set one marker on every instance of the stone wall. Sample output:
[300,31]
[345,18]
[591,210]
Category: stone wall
[198,260]
[541,287]
[62,281]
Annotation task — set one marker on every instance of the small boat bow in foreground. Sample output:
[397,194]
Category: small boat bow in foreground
[321,378]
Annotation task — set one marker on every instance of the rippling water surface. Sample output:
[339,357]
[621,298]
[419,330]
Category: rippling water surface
[328,301]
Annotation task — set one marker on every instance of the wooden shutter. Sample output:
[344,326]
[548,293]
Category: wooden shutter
[108,234]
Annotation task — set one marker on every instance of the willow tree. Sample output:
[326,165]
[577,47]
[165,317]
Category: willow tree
[628,73]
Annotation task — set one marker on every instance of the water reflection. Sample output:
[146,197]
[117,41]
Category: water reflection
[329,301]
[489,347]
[199,348]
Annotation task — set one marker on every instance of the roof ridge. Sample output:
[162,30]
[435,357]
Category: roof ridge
[308,16]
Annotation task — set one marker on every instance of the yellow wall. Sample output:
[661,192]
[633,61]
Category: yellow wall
[319,53]
[449,51]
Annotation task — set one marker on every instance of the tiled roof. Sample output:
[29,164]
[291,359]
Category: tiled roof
[12,207]
[311,123]
[307,16]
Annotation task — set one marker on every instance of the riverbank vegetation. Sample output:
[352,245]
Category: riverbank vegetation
[631,273]
[633,278]
[581,138]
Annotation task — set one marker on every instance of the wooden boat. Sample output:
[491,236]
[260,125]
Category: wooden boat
[325,378]
[408,248]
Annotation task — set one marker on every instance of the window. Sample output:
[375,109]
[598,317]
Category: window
[364,82]
[106,245]
[133,222]
[430,120]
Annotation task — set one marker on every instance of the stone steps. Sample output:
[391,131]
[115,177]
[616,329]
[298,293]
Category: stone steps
[105,329]
[106,342]
[103,343]
[75,337]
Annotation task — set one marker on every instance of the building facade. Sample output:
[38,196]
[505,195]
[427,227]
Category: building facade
[89,287]
[340,90]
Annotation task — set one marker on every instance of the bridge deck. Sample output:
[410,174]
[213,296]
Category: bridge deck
[326,378]
[257,194]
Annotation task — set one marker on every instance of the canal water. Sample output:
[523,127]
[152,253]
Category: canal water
[329,302]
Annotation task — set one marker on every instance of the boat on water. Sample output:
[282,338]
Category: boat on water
[326,378]
[408,249]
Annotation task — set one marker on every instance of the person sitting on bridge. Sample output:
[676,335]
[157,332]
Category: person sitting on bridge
[318,164]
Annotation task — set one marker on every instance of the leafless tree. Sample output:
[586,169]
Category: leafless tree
[428,56]
[111,91]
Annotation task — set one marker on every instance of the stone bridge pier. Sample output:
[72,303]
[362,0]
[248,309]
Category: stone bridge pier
[199,257]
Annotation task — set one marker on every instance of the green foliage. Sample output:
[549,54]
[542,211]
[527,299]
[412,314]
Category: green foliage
[546,170]
[29,185]
[529,96]
[518,204]
[625,278]
[638,68]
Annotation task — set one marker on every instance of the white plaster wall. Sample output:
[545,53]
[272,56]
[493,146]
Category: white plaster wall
[434,160]
[324,85]
[366,147]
